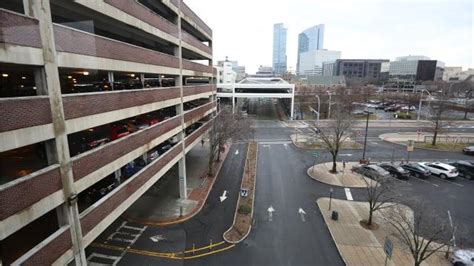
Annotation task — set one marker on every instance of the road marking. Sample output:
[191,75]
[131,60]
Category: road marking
[348,193]
[454,183]
[157,238]
[302,213]
[223,197]
[346,154]
[286,145]
[436,185]
[275,142]
[236,152]
[114,259]
[270,213]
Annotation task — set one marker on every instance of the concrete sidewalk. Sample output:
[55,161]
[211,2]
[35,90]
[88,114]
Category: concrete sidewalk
[161,204]
[344,177]
[359,246]
[305,141]
[404,137]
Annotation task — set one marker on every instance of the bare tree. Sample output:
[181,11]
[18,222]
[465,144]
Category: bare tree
[380,195]
[438,108]
[422,231]
[335,132]
[226,126]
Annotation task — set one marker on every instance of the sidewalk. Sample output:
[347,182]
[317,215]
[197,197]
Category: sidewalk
[305,141]
[161,204]
[344,178]
[404,137]
[359,246]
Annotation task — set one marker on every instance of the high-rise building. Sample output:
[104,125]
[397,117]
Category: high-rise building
[311,62]
[310,39]
[87,125]
[279,49]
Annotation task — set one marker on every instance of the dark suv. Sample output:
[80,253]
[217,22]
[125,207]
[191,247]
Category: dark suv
[465,169]
[416,170]
[396,170]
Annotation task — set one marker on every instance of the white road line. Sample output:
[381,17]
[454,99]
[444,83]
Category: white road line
[348,193]
[102,256]
[436,185]
[346,154]
[454,183]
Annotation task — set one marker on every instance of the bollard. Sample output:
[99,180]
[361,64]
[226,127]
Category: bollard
[180,211]
[193,247]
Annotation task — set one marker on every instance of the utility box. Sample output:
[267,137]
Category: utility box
[335,215]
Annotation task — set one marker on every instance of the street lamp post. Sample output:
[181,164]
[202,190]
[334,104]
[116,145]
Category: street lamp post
[365,138]
[319,107]
[329,105]
[421,99]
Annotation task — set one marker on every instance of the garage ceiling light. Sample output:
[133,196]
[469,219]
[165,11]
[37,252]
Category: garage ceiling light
[5,75]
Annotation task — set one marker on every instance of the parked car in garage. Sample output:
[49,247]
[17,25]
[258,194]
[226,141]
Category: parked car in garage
[88,139]
[465,169]
[442,170]
[372,171]
[395,170]
[416,170]
[469,150]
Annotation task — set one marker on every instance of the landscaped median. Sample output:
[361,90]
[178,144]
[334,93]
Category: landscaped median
[422,140]
[343,178]
[244,209]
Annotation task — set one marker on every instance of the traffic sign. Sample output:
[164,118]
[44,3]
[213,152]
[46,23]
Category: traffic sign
[410,146]
[388,247]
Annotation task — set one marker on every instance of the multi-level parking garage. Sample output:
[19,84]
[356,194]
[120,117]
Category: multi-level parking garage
[89,90]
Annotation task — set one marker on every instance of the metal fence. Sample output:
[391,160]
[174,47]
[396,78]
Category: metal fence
[450,139]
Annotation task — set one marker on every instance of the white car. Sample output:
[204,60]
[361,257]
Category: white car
[441,169]
[463,257]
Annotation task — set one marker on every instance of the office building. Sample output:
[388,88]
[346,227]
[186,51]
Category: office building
[310,39]
[311,62]
[225,73]
[239,70]
[279,49]
[362,69]
[415,69]
[76,77]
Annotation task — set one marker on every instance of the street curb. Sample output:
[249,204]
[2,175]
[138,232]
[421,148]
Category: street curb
[327,227]
[194,213]
[253,204]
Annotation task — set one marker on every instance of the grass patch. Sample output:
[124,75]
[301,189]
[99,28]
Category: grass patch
[443,146]
[371,117]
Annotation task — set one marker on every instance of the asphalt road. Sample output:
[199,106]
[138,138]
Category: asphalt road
[288,237]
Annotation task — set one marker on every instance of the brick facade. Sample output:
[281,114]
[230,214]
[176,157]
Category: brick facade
[52,251]
[19,30]
[85,104]
[15,198]
[16,113]
[84,165]
[89,221]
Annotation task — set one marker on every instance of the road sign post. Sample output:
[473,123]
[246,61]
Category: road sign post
[315,155]
[388,249]
[410,148]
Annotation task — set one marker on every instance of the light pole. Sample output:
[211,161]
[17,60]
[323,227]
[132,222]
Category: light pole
[319,107]
[329,104]
[365,138]
[421,99]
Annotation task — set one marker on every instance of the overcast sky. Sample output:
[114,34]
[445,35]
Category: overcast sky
[440,29]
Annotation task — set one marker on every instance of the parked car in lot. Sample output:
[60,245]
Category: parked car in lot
[391,109]
[395,170]
[88,139]
[469,150]
[416,170]
[463,257]
[372,171]
[442,170]
[465,169]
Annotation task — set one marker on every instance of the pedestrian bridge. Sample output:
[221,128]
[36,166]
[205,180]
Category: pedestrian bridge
[258,87]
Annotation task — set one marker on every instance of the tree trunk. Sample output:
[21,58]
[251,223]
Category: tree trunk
[334,164]
[465,114]
[435,136]
[369,221]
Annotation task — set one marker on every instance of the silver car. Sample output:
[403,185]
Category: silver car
[372,171]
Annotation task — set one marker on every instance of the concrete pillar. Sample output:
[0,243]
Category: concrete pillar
[111,79]
[182,162]
[40,9]
[142,79]
[118,175]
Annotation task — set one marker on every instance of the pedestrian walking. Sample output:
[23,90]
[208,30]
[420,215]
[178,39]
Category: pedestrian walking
[202,143]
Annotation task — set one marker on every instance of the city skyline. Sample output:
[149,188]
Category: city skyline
[441,30]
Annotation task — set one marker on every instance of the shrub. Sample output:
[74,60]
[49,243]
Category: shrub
[245,209]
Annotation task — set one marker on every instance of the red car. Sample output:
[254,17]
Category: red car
[118,131]
[147,119]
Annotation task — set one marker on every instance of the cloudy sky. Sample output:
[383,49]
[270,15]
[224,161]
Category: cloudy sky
[440,29]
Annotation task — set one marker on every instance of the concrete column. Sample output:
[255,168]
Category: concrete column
[118,175]
[142,79]
[111,79]
[182,162]
[40,9]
